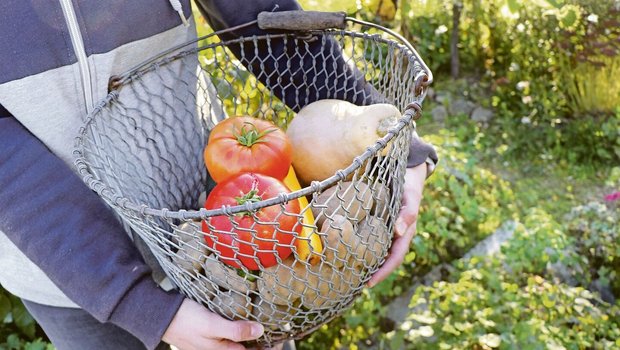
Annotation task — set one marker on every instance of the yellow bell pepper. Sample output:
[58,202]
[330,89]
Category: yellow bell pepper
[309,247]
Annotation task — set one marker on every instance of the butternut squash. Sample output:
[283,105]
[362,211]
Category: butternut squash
[328,134]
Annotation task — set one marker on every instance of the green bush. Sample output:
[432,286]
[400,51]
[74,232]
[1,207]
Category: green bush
[596,232]
[537,242]
[550,68]
[18,330]
[464,203]
[482,307]
[510,301]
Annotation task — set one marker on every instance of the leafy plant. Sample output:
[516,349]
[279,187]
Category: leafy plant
[18,330]
[482,307]
[596,231]
[465,203]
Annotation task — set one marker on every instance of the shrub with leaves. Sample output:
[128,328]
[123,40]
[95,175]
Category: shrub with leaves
[483,307]
[18,330]
[463,204]
[596,231]
[511,300]
[537,242]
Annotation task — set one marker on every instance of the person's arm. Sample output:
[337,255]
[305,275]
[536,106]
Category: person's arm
[68,231]
[294,80]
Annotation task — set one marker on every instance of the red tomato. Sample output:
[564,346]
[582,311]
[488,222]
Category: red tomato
[245,144]
[259,237]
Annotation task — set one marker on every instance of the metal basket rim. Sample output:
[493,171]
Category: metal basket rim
[403,43]
[111,196]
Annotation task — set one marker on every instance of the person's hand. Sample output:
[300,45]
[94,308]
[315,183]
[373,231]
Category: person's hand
[405,224]
[196,328]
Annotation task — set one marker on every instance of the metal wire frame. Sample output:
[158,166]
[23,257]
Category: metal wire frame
[141,150]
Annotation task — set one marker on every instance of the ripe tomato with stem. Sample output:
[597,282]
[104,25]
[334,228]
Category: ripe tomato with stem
[252,239]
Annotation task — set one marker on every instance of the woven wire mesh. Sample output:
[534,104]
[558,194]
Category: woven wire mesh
[142,148]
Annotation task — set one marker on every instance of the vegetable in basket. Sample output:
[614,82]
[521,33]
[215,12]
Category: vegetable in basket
[350,199]
[357,247]
[308,245]
[328,134]
[253,240]
[246,144]
[191,252]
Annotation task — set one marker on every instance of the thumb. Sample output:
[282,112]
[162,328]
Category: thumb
[237,331]
[408,216]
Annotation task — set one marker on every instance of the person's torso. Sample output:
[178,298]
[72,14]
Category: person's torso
[57,57]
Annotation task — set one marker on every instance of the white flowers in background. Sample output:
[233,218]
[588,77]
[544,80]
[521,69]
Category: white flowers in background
[441,29]
[522,85]
[526,99]
[520,27]
[592,18]
[526,120]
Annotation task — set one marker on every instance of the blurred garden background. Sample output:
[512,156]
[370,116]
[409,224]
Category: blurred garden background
[518,243]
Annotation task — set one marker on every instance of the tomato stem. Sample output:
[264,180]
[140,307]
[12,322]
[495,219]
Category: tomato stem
[252,136]
[251,197]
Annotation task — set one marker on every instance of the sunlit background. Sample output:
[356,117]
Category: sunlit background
[518,243]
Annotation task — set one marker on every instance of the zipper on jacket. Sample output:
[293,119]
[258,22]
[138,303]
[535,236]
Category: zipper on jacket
[80,51]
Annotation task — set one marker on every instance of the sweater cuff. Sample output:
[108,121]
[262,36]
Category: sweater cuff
[421,152]
[156,307]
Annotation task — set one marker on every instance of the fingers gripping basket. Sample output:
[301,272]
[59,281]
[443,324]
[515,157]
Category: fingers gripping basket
[141,149]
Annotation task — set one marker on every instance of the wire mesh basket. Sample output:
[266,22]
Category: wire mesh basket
[141,150]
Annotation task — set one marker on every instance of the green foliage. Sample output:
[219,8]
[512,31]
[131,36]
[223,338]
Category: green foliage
[18,330]
[512,300]
[589,140]
[348,6]
[524,258]
[464,203]
[509,301]
[426,25]
[483,307]
[596,232]
[551,69]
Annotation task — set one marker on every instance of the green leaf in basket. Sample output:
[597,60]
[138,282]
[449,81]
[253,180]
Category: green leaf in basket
[250,276]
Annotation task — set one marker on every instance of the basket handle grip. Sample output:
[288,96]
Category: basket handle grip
[301,20]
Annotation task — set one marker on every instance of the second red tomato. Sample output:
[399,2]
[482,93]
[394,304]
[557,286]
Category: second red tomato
[252,239]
